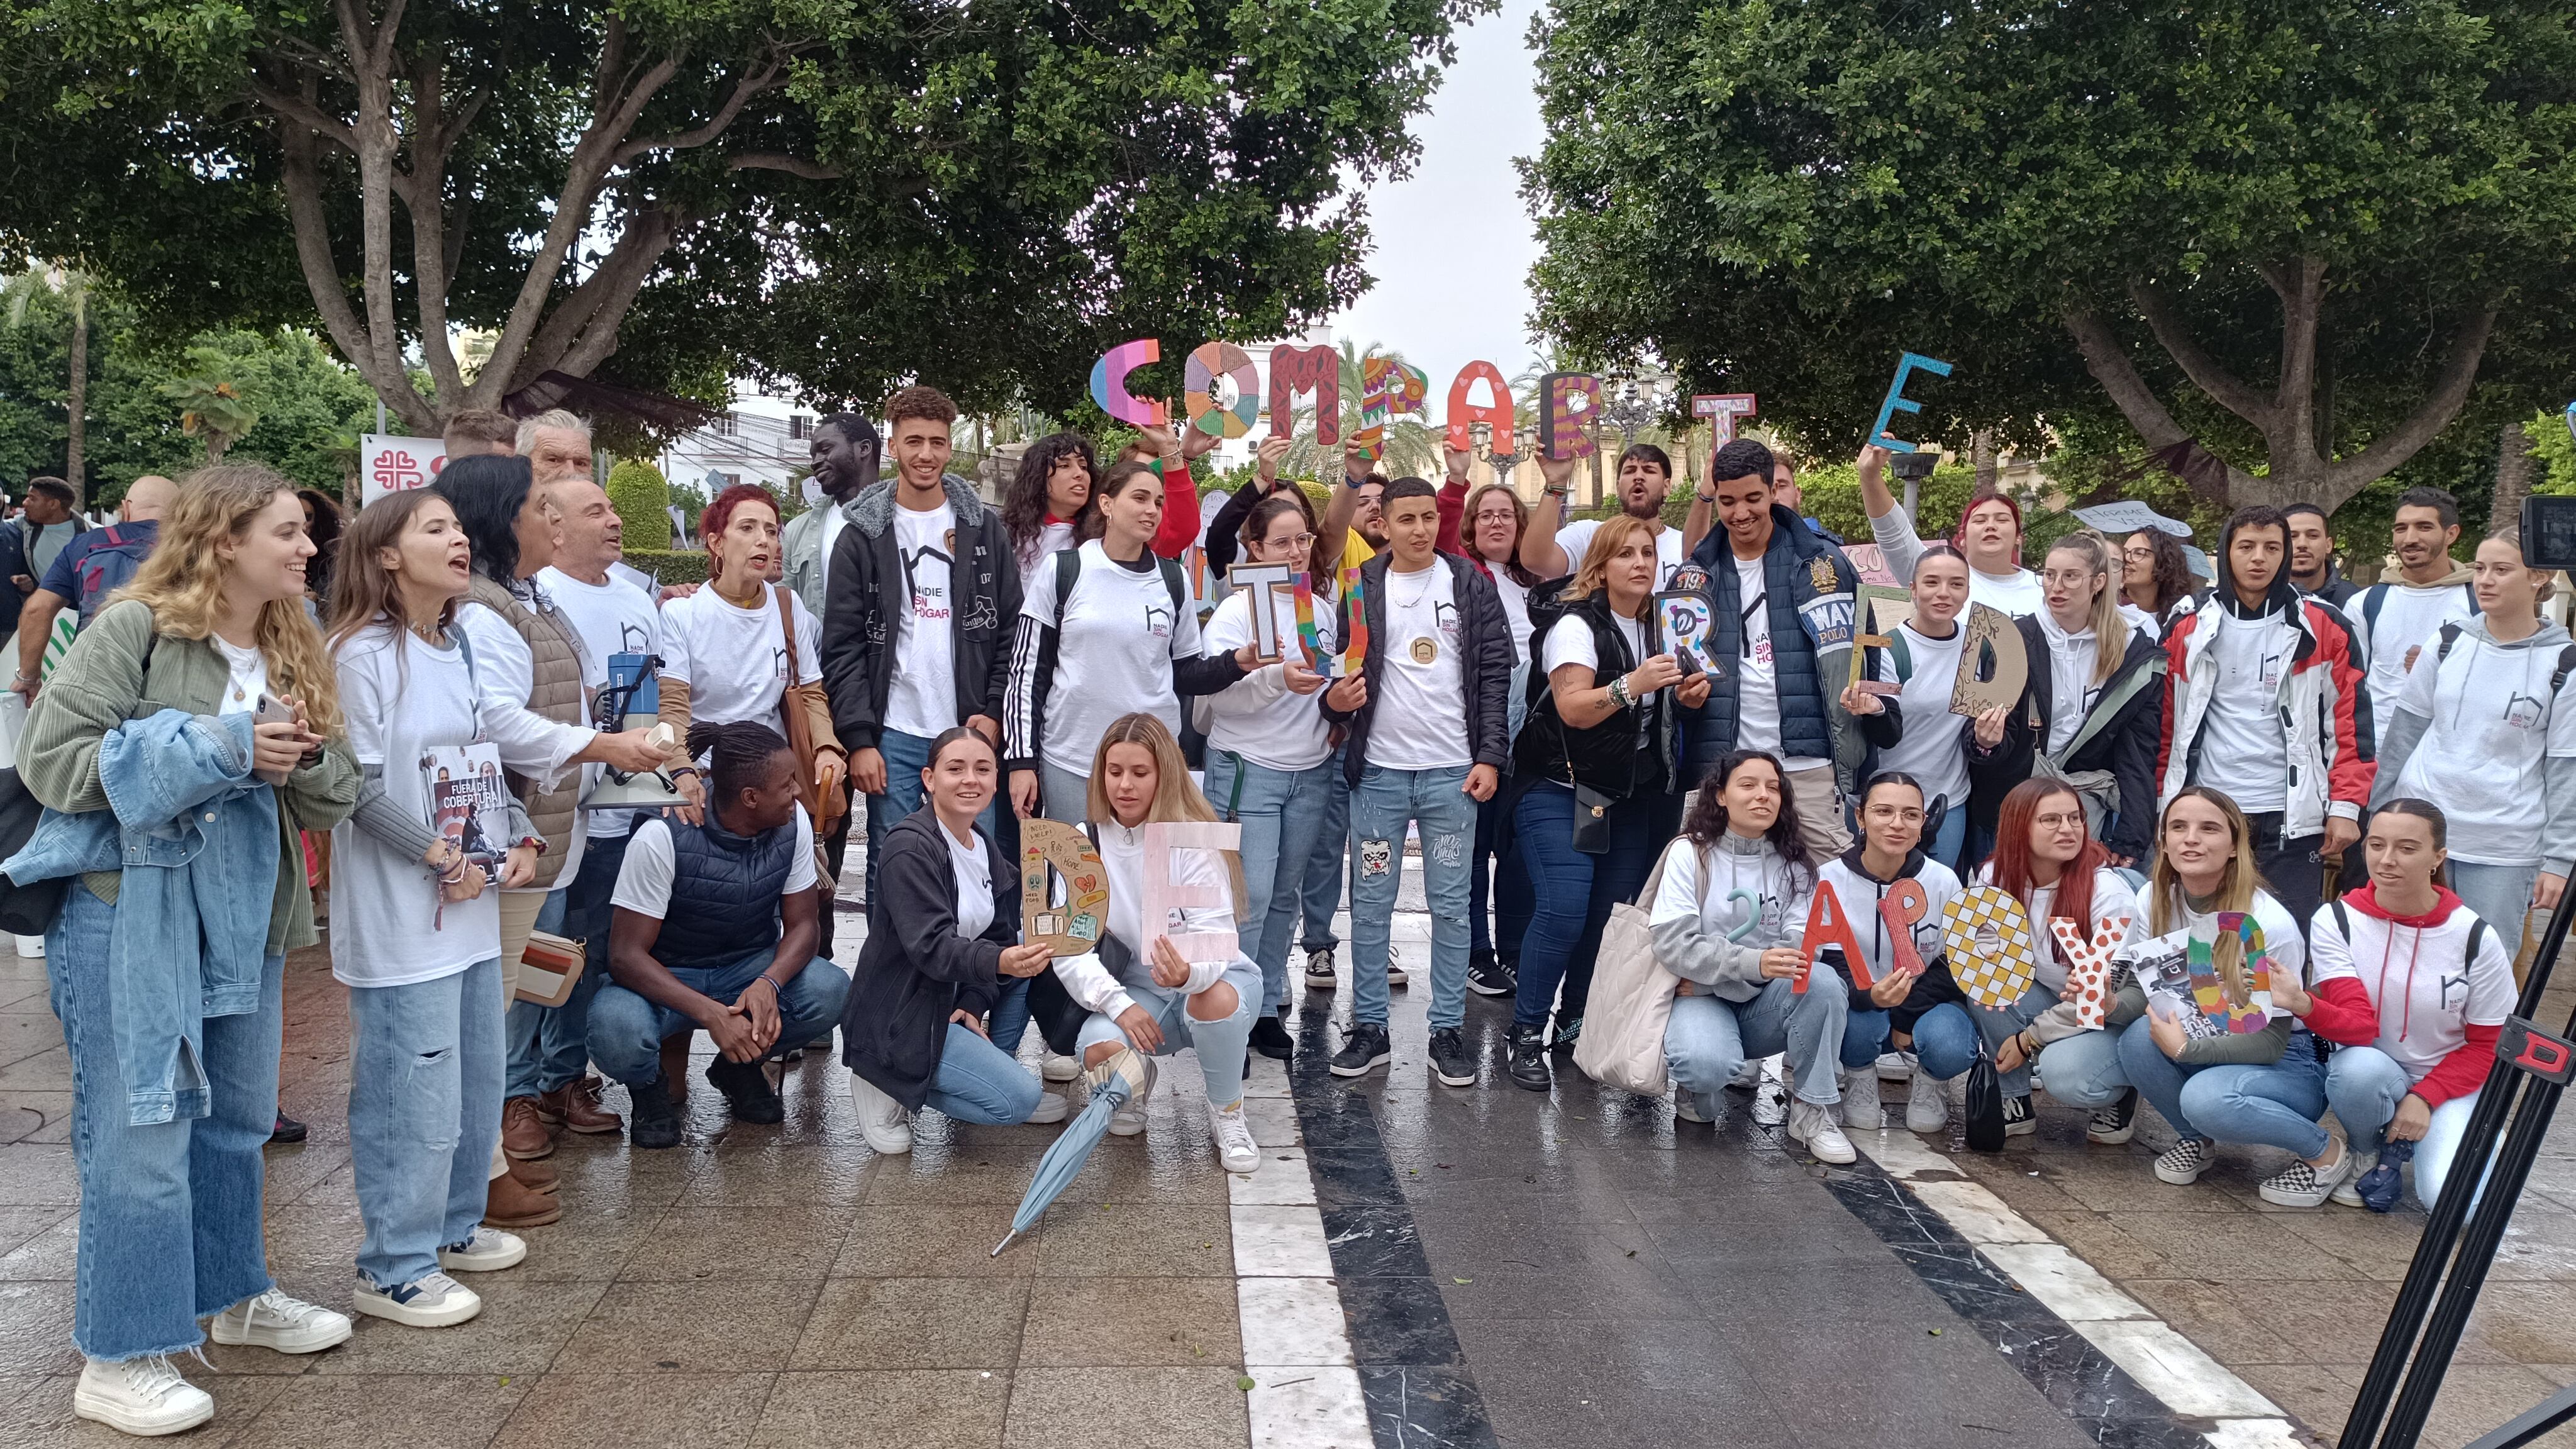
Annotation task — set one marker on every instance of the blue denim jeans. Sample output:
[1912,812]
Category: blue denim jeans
[169,1213]
[2269,1106]
[2500,894]
[626,1031]
[906,756]
[1709,1039]
[2364,1085]
[1282,814]
[1321,894]
[1864,1036]
[1504,888]
[1384,803]
[1009,1019]
[979,1082]
[1945,1037]
[425,1073]
[2082,1070]
[550,1045]
[1572,893]
[1952,838]
[1221,1044]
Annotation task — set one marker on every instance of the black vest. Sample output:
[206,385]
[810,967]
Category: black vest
[1604,757]
[724,893]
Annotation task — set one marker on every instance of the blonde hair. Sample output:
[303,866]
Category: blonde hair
[2548,580]
[2110,626]
[2237,888]
[1593,571]
[182,583]
[1175,800]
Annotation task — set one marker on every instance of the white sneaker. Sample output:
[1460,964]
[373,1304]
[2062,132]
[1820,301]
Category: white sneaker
[274,1320]
[2184,1162]
[1895,1066]
[489,1251]
[1233,1136]
[2300,1185]
[1051,1107]
[1686,1106]
[1129,1118]
[1059,1069]
[432,1300]
[1860,1100]
[1814,1126]
[1927,1102]
[1771,1094]
[2347,1193]
[141,1396]
[1394,973]
[882,1120]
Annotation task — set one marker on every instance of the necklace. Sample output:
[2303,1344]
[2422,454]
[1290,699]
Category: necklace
[749,600]
[430,633]
[1430,581]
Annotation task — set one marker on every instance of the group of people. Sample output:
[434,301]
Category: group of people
[1473,671]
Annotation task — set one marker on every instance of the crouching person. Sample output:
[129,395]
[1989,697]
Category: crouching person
[714,927]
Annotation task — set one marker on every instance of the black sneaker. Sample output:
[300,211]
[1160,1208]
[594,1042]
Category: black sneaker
[650,1119]
[1489,977]
[1529,1058]
[1449,1059]
[1319,969]
[286,1130]
[1569,1029]
[746,1088]
[2019,1120]
[1272,1040]
[1364,1048]
[2116,1123]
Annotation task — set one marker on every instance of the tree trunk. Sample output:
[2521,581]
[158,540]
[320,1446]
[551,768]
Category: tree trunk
[1981,448]
[76,400]
[2513,477]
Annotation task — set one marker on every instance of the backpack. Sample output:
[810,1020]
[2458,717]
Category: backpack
[2557,677]
[109,566]
[2377,594]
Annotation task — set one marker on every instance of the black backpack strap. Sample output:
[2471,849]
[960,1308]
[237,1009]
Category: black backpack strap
[2477,933]
[1068,572]
[2371,599]
[1179,586]
[2450,636]
[2566,667]
[2343,923]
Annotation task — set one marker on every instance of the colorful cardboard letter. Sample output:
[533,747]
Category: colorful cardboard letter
[1354,648]
[1389,389]
[1990,633]
[1722,409]
[1682,615]
[1109,383]
[1263,581]
[1464,415]
[1902,907]
[1163,895]
[1074,927]
[1199,374]
[1898,402]
[1317,370]
[1828,926]
[2088,964]
[1573,402]
[1306,635]
[1987,936]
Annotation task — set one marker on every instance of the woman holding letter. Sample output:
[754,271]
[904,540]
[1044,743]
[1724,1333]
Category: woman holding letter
[1886,874]
[1919,736]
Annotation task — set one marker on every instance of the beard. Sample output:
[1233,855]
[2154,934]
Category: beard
[1649,507]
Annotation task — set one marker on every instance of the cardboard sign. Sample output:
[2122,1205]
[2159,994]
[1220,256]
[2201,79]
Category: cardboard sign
[2128,515]
[1898,402]
[1316,370]
[1901,908]
[1307,636]
[1109,383]
[1262,581]
[1990,634]
[1828,926]
[1201,370]
[2247,1007]
[1464,415]
[1722,409]
[1075,927]
[1573,401]
[1163,895]
[1354,602]
[391,464]
[1871,560]
[1682,619]
[2088,963]
[1389,389]
[1987,937]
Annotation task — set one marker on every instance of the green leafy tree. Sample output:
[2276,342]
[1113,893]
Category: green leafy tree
[71,288]
[836,195]
[643,503]
[2284,243]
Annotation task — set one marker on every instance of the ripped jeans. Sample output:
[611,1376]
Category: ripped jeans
[1384,803]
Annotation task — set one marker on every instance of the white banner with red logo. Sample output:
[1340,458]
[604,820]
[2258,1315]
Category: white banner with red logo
[389,464]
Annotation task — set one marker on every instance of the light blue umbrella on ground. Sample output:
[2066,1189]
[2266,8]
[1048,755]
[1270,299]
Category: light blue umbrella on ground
[1113,1083]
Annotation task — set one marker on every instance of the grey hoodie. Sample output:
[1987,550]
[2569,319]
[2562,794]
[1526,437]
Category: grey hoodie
[2472,732]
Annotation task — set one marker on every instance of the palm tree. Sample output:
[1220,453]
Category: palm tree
[210,406]
[73,286]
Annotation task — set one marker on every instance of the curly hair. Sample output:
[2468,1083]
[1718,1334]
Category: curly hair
[1024,502]
[1708,812]
[2172,576]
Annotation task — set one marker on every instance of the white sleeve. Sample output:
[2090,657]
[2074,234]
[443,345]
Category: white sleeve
[674,647]
[1576,539]
[1037,598]
[1091,985]
[1897,544]
[362,708]
[2562,718]
[2113,899]
[800,875]
[2281,939]
[1569,641]
[2329,954]
[504,673]
[644,881]
[1229,629]
[1206,868]
[2492,994]
[2415,696]
[1677,890]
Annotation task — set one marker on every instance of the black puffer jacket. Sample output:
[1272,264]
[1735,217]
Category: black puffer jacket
[915,968]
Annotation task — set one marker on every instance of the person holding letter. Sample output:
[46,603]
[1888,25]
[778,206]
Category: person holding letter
[1989,536]
[1552,548]
[1920,738]
[1891,896]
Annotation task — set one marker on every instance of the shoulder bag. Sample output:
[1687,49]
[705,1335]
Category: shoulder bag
[1632,997]
[800,732]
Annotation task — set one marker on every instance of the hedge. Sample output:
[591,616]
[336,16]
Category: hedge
[671,566]
[642,498]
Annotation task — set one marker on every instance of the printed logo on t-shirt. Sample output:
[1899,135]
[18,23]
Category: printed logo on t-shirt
[929,586]
[1444,615]
[2523,711]
[778,661]
[1158,621]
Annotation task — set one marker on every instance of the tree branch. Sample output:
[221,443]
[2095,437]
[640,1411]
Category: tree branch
[311,117]
[606,292]
[2300,286]
[792,165]
[426,198]
[2109,363]
[598,338]
[2459,373]
[303,187]
[2175,337]
[743,91]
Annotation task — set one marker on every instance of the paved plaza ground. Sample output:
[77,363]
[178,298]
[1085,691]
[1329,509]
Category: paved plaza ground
[1412,1265]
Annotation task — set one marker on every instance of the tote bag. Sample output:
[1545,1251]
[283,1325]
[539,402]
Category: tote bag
[1632,999]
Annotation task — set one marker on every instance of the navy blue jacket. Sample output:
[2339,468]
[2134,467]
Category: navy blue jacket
[1809,588]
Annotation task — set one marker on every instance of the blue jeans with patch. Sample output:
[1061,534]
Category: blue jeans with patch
[1385,802]
[425,1073]
[1282,814]
[626,1031]
[169,1213]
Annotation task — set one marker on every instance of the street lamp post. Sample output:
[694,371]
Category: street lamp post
[1629,402]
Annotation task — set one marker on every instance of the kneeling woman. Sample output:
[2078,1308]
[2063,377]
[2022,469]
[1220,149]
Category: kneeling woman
[913,1031]
[1890,849]
[1739,963]
[1139,991]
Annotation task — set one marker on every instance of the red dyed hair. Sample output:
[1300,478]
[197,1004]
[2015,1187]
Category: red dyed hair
[719,514]
[1959,535]
[2011,864]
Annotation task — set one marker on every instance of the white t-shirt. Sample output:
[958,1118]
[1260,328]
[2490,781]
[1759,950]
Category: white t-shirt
[644,881]
[1576,539]
[1933,748]
[1258,716]
[2242,749]
[1115,643]
[1516,609]
[2016,593]
[2409,618]
[2493,721]
[2071,690]
[535,746]
[612,618]
[921,697]
[2422,982]
[2141,621]
[1052,539]
[399,696]
[1420,722]
[1757,684]
[246,676]
[972,870]
[735,660]
[1570,642]
[2113,900]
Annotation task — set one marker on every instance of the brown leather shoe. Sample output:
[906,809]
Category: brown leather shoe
[576,1105]
[510,1203]
[534,1172]
[675,1067]
[524,1134]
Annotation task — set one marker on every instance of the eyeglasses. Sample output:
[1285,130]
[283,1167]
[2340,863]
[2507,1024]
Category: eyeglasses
[2072,578]
[1301,541]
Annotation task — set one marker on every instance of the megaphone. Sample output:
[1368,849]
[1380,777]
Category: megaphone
[632,700]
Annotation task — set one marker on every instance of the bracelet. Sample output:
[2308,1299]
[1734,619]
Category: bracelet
[1619,691]
[1552,490]
[763,979]
[1704,497]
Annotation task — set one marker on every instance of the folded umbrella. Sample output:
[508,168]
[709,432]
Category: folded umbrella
[1113,1083]
[2379,1186]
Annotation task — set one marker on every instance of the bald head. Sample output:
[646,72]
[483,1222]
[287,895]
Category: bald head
[148,498]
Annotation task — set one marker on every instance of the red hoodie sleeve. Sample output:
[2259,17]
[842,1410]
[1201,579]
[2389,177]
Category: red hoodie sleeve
[2464,1070]
[2343,1013]
[1453,511]
[1180,510]
[2349,774]
[2175,652]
